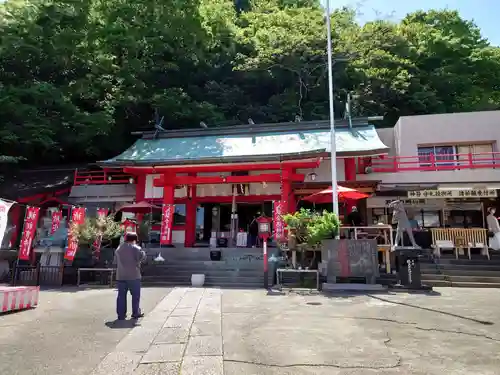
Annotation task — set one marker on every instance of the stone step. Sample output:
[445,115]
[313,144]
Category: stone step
[228,286]
[205,263]
[466,261]
[475,279]
[467,284]
[214,272]
[425,276]
[241,280]
[437,283]
[458,267]
[468,272]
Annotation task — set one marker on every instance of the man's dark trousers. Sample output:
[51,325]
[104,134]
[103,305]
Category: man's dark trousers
[134,286]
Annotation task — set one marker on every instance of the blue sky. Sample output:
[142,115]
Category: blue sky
[485,13]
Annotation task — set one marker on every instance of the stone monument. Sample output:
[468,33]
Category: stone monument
[352,259]
[399,216]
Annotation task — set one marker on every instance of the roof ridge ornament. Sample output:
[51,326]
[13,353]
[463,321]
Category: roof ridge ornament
[347,113]
[158,124]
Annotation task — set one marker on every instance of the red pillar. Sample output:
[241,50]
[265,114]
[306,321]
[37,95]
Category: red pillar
[140,193]
[15,215]
[191,205]
[350,169]
[292,201]
[286,191]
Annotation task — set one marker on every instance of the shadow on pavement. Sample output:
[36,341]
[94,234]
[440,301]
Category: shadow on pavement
[483,322]
[122,324]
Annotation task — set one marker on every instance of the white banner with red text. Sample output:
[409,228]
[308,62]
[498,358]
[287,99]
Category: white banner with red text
[4,217]
[167,219]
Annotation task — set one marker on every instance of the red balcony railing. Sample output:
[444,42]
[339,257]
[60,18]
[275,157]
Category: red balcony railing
[103,177]
[432,162]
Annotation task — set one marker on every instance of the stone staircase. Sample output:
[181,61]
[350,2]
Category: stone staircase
[238,268]
[447,271]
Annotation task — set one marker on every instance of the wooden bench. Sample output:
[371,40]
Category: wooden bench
[459,239]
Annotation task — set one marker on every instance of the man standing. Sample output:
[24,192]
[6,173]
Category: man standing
[128,258]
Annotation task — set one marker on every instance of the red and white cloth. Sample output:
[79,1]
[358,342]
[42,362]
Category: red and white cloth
[18,297]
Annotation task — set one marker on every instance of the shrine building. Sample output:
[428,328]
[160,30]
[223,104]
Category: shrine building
[205,172]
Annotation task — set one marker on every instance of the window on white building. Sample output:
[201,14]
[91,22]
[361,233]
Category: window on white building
[480,154]
[456,154]
[442,155]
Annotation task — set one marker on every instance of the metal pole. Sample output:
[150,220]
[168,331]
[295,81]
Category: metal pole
[266,265]
[333,146]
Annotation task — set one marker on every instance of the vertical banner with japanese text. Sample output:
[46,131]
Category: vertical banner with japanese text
[78,218]
[56,221]
[4,217]
[278,223]
[29,230]
[167,219]
[102,213]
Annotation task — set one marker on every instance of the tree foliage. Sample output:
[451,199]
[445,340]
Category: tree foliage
[77,77]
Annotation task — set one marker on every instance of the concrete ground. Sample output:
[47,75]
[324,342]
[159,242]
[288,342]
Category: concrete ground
[67,334]
[239,332]
[234,332]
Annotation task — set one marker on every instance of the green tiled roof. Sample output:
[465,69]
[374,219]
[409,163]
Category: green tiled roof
[362,139]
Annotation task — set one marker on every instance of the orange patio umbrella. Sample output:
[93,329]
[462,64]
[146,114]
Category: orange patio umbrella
[344,194]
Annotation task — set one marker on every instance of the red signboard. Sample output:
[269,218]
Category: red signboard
[167,219]
[101,214]
[77,217]
[278,223]
[129,226]
[30,223]
[56,221]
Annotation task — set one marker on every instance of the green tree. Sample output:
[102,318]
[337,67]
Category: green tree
[77,77]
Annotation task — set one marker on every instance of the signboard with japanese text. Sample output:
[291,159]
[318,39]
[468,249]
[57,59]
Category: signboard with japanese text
[29,230]
[167,219]
[129,226]
[352,258]
[278,223]
[4,217]
[465,193]
[56,221]
[77,217]
[383,202]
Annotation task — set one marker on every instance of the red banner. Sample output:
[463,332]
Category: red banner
[101,214]
[77,217]
[278,223]
[167,219]
[30,223]
[56,221]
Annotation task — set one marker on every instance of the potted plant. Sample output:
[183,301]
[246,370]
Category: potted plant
[94,230]
[298,235]
[308,231]
[323,227]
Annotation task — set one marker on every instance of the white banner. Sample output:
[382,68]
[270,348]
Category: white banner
[465,193]
[4,217]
